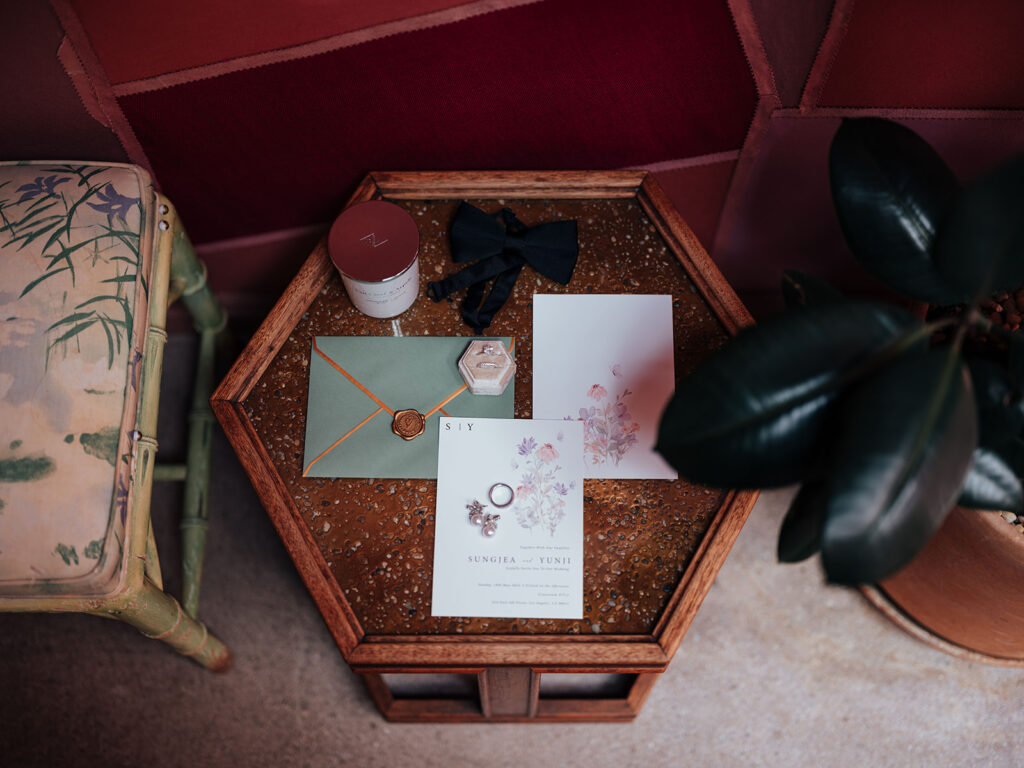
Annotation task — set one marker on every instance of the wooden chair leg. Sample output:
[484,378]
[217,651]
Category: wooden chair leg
[159,616]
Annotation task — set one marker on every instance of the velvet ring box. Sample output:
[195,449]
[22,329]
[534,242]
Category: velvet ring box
[486,367]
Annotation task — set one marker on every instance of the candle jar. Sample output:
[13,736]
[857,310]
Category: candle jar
[375,247]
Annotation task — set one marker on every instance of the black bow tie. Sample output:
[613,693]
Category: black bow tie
[501,248]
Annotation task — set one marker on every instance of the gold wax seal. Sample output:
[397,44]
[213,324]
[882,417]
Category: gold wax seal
[408,424]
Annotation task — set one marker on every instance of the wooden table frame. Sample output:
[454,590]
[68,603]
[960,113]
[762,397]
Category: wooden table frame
[508,666]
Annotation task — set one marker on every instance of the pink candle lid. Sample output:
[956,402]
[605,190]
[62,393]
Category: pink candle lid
[373,241]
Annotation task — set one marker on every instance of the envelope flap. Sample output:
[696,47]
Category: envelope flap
[402,372]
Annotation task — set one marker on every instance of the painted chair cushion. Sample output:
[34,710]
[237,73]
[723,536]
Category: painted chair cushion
[75,257]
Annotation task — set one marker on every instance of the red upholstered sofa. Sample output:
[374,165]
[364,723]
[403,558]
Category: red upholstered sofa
[259,116]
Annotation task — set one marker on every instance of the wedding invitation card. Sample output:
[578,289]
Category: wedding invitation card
[606,361]
[508,536]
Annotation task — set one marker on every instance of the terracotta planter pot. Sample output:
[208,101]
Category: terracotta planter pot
[963,593]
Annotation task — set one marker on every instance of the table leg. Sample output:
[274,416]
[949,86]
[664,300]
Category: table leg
[509,692]
[509,695]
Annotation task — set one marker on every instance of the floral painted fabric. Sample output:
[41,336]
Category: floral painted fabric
[74,265]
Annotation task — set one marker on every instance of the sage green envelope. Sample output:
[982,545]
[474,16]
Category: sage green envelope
[356,383]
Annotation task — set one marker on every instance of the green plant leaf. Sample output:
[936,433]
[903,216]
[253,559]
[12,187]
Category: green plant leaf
[40,279]
[28,238]
[56,259]
[981,245]
[128,238]
[1012,452]
[72,318]
[1000,410]
[65,228]
[37,210]
[991,484]
[750,415]
[96,299]
[117,325]
[128,320]
[120,232]
[75,331]
[110,342]
[83,177]
[66,252]
[1016,361]
[800,289]
[43,201]
[891,192]
[903,447]
[800,535]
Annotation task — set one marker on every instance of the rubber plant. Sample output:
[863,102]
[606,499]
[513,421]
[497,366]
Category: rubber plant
[886,420]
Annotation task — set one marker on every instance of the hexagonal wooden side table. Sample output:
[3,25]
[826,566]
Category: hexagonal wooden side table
[365,547]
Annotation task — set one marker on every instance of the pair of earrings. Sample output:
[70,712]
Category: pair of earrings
[487,521]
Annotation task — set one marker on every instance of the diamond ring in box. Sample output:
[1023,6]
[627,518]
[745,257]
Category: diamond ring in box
[487,367]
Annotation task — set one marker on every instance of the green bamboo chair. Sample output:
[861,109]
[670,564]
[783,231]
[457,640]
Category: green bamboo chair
[90,258]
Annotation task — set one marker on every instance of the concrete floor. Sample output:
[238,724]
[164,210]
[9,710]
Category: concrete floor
[777,669]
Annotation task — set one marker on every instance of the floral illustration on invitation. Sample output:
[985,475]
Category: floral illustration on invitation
[609,431]
[606,361]
[540,497]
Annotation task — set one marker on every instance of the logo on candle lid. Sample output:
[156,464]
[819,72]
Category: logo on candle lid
[372,238]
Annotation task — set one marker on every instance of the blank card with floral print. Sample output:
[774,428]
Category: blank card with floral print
[606,360]
[508,531]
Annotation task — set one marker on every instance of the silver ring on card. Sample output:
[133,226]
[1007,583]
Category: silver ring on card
[501,495]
